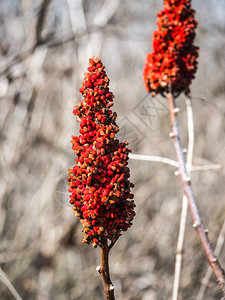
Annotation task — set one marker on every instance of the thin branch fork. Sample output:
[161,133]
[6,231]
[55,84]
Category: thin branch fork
[104,272]
[187,189]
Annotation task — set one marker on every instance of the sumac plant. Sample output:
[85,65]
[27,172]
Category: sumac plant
[174,57]
[169,70]
[99,182]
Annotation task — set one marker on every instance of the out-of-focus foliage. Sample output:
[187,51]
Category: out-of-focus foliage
[44,51]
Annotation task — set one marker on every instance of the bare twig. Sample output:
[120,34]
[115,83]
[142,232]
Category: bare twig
[205,281]
[104,271]
[187,189]
[163,160]
[183,217]
[9,285]
[206,167]
[171,162]
[190,134]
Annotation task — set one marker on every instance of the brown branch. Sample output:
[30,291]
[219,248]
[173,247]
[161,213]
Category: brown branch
[205,281]
[104,272]
[187,189]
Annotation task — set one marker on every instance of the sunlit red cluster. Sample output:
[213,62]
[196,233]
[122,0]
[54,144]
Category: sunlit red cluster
[173,61]
[99,181]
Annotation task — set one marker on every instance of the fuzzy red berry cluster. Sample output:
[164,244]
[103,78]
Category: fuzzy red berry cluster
[99,181]
[173,62]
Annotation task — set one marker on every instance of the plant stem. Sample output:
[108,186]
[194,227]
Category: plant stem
[180,242]
[179,251]
[205,281]
[187,189]
[104,271]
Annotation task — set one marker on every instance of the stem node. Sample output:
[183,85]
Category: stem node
[176,110]
[172,135]
[196,225]
[187,179]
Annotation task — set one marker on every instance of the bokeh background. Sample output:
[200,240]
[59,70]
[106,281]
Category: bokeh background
[44,51]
